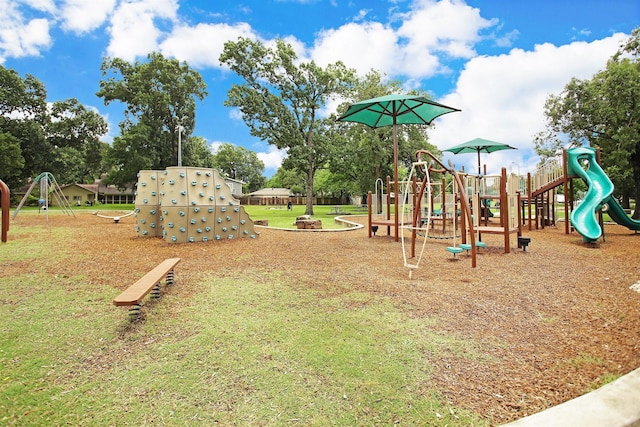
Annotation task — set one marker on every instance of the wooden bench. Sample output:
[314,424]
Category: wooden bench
[150,282]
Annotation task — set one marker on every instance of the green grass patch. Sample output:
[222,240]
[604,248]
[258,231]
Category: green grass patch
[244,351]
[284,218]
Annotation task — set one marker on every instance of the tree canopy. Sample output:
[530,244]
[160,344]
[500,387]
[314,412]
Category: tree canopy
[62,137]
[281,100]
[240,164]
[602,112]
[160,98]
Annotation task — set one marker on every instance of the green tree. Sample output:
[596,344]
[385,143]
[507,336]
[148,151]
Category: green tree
[240,164]
[160,94]
[602,112]
[11,160]
[23,115]
[197,153]
[281,99]
[292,179]
[130,153]
[73,133]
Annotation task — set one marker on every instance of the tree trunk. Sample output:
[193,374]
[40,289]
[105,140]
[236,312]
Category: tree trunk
[310,173]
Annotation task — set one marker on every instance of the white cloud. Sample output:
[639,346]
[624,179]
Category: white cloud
[235,114]
[272,158]
[447,26]
[134,30]
[20,37]
[427,31]
[202,44]
[360,46]
[502,98]
[41,5]
[82,16]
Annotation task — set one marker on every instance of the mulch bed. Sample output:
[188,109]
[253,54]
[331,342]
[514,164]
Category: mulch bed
[548,324]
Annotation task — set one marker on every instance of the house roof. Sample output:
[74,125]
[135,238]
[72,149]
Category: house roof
[101,189]
[271,192]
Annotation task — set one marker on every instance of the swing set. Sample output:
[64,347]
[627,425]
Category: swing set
[420,200]
[49,189]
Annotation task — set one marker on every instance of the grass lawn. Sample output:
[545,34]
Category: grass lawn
[278,217]
[244,350]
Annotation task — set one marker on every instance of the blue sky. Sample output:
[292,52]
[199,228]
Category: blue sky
[496,60]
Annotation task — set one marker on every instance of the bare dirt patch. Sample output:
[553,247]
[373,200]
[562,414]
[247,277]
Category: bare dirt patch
[549,324]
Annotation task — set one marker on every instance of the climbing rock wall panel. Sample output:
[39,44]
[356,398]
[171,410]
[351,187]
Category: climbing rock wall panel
[147,200]
[189,205]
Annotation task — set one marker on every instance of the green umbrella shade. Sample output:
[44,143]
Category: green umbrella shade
[390,110]
[479,145]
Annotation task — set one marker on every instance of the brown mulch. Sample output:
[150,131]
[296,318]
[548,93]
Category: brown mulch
[548,324]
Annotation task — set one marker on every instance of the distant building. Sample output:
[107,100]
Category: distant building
[269,197]
[89,194]
[235,185]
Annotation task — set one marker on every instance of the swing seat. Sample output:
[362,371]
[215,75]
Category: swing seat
[454,250]
[465,246]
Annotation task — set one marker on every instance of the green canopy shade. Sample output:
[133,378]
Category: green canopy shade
[479,145]
[392,110]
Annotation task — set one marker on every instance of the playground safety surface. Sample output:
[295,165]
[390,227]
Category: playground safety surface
[550,323]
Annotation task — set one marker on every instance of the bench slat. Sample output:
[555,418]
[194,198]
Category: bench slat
[134,293]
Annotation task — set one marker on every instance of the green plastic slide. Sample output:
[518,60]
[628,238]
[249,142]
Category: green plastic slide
[581,162]
[617,213]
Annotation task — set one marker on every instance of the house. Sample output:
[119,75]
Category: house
[269,197]
[235,185]
[89,194]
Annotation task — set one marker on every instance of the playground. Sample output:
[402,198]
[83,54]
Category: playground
[531,328]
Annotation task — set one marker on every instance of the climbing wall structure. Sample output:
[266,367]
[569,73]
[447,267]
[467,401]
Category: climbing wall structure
[187,204]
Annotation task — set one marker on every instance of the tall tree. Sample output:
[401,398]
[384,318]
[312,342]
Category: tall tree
[603,112]
[281,99]
[74,135]
[197,153]
[159,94]
[23,115]
[292,179]
[241,164]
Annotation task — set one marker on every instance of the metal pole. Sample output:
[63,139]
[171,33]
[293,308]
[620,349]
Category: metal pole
[179,145]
